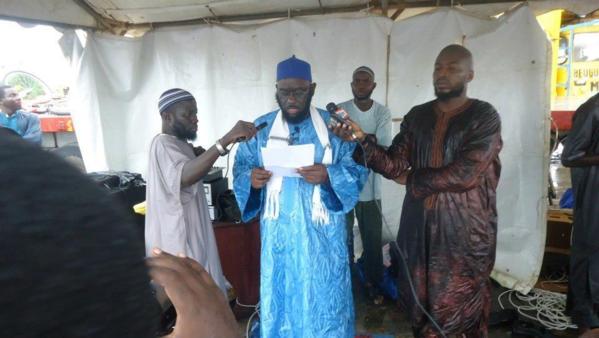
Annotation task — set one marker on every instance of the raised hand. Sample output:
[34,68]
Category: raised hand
[202,310]
[348,130]
[241,131]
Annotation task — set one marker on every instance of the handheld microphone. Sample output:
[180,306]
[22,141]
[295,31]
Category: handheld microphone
[258,128]
[333,109]
[261,126]
[335,112]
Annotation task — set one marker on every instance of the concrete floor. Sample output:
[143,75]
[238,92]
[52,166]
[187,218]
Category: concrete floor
[387,320]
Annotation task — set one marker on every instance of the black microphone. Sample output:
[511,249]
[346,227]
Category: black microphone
[332,107]
[335,110]
[294,136]
[261,126]
[258,128]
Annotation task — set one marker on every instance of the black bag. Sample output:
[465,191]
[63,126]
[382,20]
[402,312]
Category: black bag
[228,210]
[117,180]
[127,190]
[129,187]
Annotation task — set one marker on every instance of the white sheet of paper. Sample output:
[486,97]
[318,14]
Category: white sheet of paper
[286,160]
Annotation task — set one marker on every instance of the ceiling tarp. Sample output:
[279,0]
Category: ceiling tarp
[114,13]
[168,10]
[47,11]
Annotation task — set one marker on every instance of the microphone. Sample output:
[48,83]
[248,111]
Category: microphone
[261,126]
[333,109]
[294,136]
[335,115]
[258,128]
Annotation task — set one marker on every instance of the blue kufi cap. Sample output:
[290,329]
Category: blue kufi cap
[294,68]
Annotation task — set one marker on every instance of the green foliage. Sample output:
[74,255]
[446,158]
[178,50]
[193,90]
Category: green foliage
[24,82]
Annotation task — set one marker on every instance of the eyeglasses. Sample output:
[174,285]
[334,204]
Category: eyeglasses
[298,92]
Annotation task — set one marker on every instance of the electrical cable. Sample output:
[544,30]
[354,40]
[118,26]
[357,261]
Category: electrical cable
[556,143]
[402,255]
[247,329]
[257,306]
[228,157]
[245,305]
[547,307]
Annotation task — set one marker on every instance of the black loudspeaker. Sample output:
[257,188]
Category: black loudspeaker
[215,188]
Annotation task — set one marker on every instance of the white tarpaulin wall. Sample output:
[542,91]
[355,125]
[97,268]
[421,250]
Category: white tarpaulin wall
[511,64]
[231,71]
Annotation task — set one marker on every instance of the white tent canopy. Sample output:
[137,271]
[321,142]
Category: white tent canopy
[122,15]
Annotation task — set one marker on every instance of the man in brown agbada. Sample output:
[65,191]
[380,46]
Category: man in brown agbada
[447,155]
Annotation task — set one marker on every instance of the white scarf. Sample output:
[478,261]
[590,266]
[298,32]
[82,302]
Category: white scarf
[279,133]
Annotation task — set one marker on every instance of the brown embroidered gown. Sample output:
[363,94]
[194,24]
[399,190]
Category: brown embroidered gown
[448,226]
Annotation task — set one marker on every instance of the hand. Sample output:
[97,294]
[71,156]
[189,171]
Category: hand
[315,174]
[339,130]
[260,177]
[242,130]
[403,178]
[347,130]
[202,310]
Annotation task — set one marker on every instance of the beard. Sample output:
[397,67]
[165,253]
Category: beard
[183,133]
[302,115]
[456,92]
[363,97]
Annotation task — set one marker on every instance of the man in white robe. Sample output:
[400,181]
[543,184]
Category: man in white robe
[177,216]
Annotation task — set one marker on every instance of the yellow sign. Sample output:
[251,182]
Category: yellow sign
[585,79]
[551,22]
[575,55]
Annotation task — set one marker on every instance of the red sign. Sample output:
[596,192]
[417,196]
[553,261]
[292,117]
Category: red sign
[54,124]
[562,119]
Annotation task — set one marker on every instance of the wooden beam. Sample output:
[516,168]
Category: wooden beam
[447,3]
[397,13]
[320,6]
[215,17]
[103,23]
[311,11]
[261,16]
